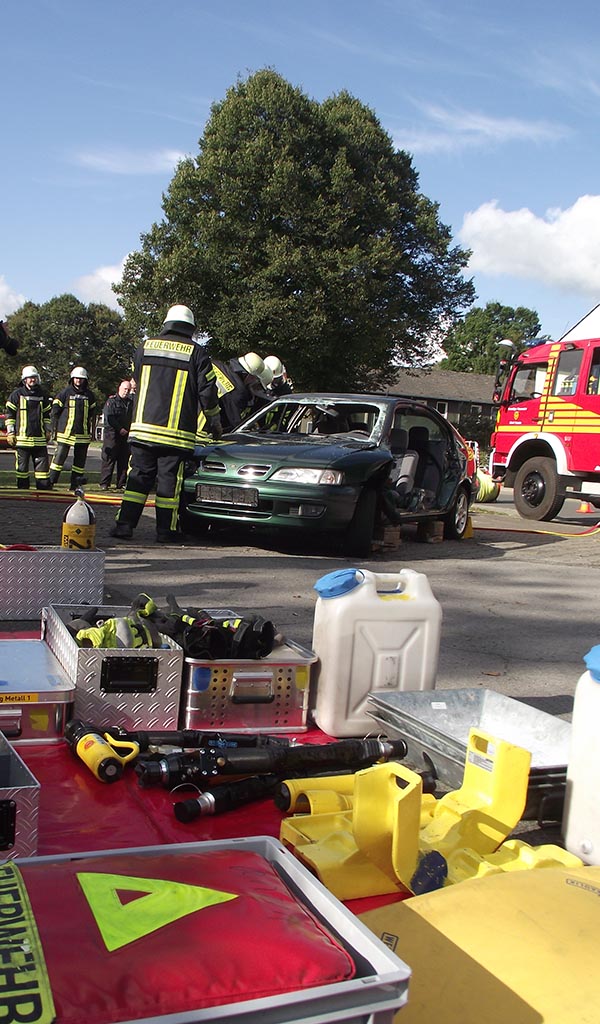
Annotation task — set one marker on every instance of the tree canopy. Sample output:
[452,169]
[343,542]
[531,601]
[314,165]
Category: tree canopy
[62,333]
[472,345]
[299,231]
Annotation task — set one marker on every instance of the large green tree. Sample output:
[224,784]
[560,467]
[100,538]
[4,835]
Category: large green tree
[299,230]
[62,333]
[472,345]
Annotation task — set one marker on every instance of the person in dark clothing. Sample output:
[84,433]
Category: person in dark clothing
[115,444]
[176,396]
[28,429]
[241,387]
[9,344]
[73,415]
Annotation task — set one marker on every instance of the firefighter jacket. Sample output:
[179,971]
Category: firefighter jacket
[73,415]
[176,390]
[235,398]
[117,417]
[28,416]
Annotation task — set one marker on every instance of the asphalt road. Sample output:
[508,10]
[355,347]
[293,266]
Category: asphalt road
[520,600]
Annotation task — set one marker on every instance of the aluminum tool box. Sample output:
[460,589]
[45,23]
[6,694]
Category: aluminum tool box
[267,694]
[31,580]
[374,995]
[19,805]
[36,694]
[435,726]
[134,689]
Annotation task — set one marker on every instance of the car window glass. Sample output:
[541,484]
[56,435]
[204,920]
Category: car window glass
[528,382]
[567,372]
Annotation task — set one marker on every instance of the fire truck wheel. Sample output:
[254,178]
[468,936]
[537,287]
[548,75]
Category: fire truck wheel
[535,492]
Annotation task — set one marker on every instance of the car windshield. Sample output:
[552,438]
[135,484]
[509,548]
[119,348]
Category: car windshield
[317,417]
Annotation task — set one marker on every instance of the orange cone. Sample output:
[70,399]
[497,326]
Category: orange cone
[585,507]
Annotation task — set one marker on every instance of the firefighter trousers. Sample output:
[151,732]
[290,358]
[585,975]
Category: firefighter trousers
[80,450]
[153,466]
[39,457]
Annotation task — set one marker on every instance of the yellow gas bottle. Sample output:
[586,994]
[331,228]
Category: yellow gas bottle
[79,525]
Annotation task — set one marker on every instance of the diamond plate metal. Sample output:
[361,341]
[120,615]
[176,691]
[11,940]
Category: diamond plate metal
[131,710]
[31,580]
[24,789]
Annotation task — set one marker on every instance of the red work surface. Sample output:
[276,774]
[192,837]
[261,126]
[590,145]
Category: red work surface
[79,813]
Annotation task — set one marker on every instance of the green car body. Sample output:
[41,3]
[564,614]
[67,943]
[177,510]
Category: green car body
[326,463]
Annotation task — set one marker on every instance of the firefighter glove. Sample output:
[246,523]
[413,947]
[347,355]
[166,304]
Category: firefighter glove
[11,440]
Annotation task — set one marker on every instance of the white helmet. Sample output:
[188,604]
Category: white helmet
[274,363]
[79,371]
[181,314]
[266,377]
[29,371]
[252,363]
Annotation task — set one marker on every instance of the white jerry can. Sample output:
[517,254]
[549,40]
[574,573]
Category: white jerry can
[372,632]
[581,815]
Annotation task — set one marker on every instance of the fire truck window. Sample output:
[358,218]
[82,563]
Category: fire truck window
[594,377]
[528,381]
[567,372]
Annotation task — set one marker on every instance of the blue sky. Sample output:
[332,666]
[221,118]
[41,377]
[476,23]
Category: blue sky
[498,104]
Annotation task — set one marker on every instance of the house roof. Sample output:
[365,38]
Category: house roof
[445,385]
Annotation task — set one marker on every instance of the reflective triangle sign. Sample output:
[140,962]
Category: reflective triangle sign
[126,908]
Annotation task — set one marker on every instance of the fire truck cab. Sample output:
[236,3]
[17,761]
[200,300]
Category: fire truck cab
[546,442]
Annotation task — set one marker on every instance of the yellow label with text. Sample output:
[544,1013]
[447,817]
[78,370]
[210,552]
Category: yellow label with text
[19,698]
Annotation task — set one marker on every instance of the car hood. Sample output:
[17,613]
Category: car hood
[308,451]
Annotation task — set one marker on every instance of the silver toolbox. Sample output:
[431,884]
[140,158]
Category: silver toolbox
[36,694]
[378,990]
[134,689]
[31,580]
[435,726]
[19,805]
[264,694]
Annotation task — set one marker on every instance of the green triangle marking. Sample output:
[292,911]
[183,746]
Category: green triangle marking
[159,903]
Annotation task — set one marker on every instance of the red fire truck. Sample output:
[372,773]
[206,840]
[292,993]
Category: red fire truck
[546,442]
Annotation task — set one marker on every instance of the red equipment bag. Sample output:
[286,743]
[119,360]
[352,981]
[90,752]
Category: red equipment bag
[135,935]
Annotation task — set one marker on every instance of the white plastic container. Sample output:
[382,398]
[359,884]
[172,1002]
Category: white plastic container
[581,817]
[372,632]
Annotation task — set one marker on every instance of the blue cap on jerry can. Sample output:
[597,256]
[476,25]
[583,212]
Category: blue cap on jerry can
[592,661]
[334,584]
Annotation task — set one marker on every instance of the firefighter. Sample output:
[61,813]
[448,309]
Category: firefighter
[115,445]
[73,416]
[281,383]
[28,429]
[176,396]
[241,387]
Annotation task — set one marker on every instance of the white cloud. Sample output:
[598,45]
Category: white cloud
[559,250]
[96,287]
[125,161]
[455,129]
[10,300]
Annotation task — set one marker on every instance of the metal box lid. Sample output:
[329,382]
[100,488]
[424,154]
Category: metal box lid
[29,673]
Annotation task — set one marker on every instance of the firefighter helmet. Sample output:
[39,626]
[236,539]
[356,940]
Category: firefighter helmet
[180,314]
[274,363]
[29,371]
[266,377]
[252,363]
[80,372]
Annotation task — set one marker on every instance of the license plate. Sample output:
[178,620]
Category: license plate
[221,495]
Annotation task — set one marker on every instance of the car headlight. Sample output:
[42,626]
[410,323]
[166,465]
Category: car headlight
[304,475]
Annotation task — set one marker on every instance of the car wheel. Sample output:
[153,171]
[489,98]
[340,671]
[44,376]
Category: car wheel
[455,523]
[358,538]
[536,494]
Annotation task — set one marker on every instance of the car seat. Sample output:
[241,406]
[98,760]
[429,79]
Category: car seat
[405,461]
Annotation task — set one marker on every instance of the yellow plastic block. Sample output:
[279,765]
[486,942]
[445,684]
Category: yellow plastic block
[484,811]
[320,795]
[513,855]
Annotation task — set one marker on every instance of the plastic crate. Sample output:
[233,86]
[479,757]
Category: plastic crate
[376,992]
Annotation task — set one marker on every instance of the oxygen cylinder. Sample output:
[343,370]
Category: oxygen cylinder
[79,525]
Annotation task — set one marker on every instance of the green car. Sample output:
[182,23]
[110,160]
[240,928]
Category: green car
[335,464]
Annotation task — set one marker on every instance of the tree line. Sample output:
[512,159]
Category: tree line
[299,230]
